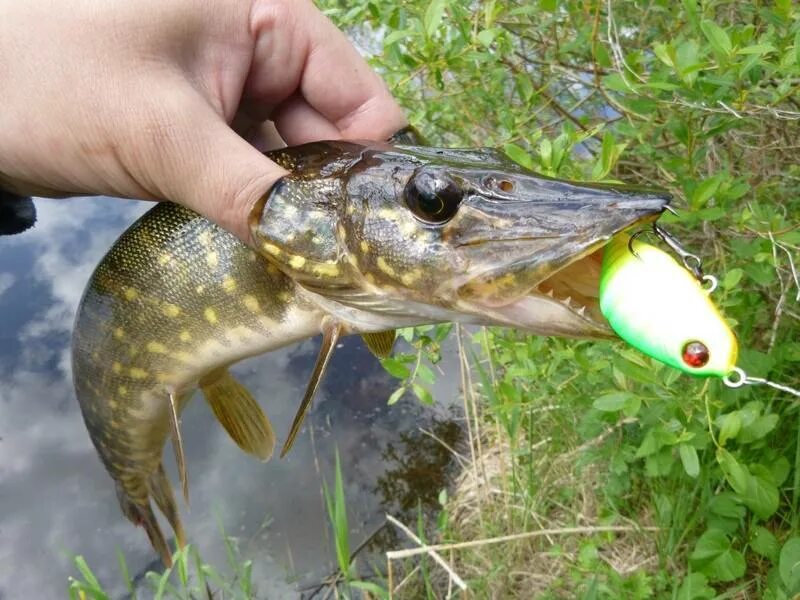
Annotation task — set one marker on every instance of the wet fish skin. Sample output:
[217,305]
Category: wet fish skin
[338,250]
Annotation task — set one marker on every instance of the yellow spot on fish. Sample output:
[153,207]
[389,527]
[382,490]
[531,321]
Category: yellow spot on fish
[119,333]
[200,289]
[388,214]
[297,261]
[364,246]
[171,310]
[229,284]
[370,277]
[411,277]
[131,293]
[156,348]
[112,404]
[386,267]
[284,296]
[116,367]
[272,269]
[327,269]
[164,258]
[212,260]
[122,390]
[185,336]
[205,238]
[211,315]
[270,248]
[137,373]
[407,228]
[251,303]
[316,240]
[184,356]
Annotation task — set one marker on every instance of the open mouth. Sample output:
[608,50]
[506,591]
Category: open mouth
[577,287]
[565,304]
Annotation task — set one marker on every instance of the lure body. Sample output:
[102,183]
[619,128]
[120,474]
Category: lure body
[657,306]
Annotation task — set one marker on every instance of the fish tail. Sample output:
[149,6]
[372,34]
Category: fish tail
[142,514]
[161,491]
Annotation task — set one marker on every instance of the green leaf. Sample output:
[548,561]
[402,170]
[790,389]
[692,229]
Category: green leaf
[764,542]
[433,16]
[695,587]
[759,428]
[518,155]
[789,564]
[716,558]
[717,37]
[759,49]
[691,464]
[703,192]
[486,37]
[396,395]
[612,402]
[732,278]
[731,424]
[422,393]
[396,36]
[735,473]
[762,495]
[395,368]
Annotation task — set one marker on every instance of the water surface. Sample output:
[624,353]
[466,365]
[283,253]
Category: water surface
[56,500]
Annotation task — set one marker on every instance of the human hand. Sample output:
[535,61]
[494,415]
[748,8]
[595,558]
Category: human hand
[144,99]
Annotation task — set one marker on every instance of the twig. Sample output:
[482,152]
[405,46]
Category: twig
[397,554]
[432,553]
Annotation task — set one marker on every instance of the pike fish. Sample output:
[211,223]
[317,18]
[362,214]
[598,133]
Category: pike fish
[360,238]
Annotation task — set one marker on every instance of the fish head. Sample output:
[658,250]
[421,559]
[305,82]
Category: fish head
[435,234]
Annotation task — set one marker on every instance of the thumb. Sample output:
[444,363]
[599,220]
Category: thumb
[198,161]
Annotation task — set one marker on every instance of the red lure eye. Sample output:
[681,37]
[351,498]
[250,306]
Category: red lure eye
[695,354]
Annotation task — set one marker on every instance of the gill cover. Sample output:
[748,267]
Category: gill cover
[658,307]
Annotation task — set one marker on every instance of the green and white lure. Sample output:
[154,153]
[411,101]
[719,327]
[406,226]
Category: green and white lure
[657,306]
[661,308]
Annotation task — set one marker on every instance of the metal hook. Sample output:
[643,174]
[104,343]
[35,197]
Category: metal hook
[691,261]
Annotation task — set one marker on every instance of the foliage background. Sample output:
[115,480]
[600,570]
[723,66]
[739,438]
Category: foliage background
[702,98]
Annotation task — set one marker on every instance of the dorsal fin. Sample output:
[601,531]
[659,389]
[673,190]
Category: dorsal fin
[380,343]
[330,336]
[239,413]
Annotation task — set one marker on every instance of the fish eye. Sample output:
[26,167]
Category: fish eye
[433,196]
[695,354]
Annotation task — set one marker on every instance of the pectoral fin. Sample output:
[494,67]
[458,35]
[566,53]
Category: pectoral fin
[330,336]
[177,445]
[380,343]
[239,413]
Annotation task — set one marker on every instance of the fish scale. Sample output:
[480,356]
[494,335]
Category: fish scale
[337,250]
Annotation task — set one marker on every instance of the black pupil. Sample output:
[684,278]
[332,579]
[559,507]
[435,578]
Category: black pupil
[433,197]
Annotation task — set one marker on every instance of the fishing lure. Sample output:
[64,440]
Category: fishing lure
[662,309]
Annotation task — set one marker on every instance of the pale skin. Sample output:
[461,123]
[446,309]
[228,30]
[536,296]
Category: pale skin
[161,99]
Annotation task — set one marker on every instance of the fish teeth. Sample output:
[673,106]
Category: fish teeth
[581,311]
[549,293]
[567,301]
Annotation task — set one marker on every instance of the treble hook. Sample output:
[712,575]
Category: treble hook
[691,261]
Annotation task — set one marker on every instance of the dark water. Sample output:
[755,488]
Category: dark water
[56,500]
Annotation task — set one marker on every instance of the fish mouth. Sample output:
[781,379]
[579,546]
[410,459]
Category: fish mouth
[566,303]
